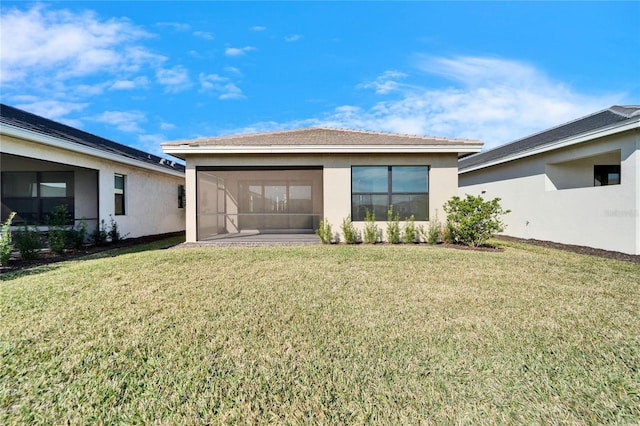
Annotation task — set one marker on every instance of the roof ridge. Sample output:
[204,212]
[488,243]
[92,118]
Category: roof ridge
[619,110]
[336,129]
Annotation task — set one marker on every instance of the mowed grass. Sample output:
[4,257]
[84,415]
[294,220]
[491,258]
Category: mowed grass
[323,335]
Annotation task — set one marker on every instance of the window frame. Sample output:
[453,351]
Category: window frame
[602,172]
[182,197]
[389,194]
[119,207]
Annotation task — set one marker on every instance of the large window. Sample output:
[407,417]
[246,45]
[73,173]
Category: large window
[119,188]
[35,195]
[376,188]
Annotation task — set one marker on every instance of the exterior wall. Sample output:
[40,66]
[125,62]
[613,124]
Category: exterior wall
[443,178]
[151,198]
[551,195]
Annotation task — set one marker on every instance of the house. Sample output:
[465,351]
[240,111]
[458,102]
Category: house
[45,164]
[577,183]
[288,181]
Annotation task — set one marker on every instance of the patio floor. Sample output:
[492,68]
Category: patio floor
[259,239]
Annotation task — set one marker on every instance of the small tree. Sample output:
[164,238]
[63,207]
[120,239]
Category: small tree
[57,224]
[410,234]
[6,243]
[371,230]
[324,232]
[351,234]
[393,226]
[473,221]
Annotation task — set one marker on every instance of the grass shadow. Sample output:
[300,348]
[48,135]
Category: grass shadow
[56,263]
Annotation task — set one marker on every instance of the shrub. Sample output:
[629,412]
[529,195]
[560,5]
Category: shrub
[28,242]
[410,234]
[325,232]
[393,226]
[114,232]
[78,234]
[99,235]
[6,242]
[371,230]
[473,221]
[434,234]
[351,234]
[57,233]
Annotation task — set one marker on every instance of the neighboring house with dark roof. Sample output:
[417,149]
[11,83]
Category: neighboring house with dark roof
[577,183]
[287,181]
[45,164]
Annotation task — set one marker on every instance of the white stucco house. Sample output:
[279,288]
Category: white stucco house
[577,183]
[287,181]
[44,164]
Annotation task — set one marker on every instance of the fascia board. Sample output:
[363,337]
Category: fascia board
[321,149]
[32,136]
[562,143]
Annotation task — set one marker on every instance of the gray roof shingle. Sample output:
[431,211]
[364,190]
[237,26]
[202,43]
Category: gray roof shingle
[603,118]
[26,120]
[320,136]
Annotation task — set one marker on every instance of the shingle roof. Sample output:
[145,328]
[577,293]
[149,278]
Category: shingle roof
[603,118]
[26,120]
[320,136]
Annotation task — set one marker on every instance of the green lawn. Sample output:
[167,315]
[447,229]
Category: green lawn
[323,335]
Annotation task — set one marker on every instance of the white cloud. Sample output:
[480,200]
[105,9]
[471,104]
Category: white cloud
[292,38]
[136,83]
[494,100]
[177,26]
[51,109]
[167,126]
[125,121]
[258,28]
[238,51]
[174,79]
[204,34]
[221,86]
[59,44]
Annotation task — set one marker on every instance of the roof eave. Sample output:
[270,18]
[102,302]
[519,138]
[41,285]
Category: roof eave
[181,150]
[562,143]
[29,135]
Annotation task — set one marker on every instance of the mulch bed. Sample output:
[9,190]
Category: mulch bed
[47,257]
[576,249]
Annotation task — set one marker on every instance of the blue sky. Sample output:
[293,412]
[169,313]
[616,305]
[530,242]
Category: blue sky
[145,72]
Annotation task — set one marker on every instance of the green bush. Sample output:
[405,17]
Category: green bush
[27,242]
[78,235]
[114,232]
[434,234]
[325,232]
[57,233]
[393,226]
[410,234]
[99,235]
[351,234]
[473,221]
[371,230]
[6,242]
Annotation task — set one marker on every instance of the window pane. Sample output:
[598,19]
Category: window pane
[119,183]
[119,204]
[608,174]
[411,204]
[378,204]
[19,184]
[49,207]
[26,208]
[56,184]
[369,179]
[410,179]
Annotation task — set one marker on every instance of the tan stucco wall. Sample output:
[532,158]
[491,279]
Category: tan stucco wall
[551,196]
[443,178]
[151,197]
